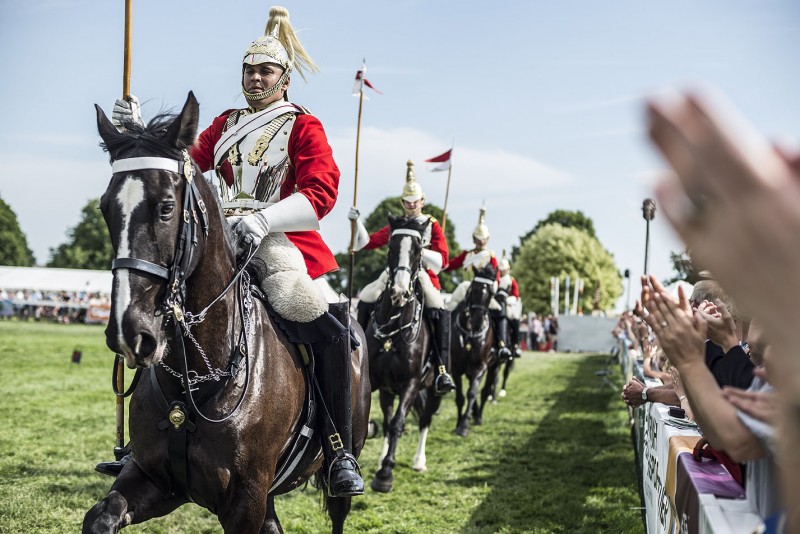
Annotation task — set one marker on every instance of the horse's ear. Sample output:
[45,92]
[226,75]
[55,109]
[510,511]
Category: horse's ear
[392,218]
[106,130]
[183,130]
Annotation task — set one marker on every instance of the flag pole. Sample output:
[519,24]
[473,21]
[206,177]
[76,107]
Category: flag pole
[355,195]
[446,196]
[126,92]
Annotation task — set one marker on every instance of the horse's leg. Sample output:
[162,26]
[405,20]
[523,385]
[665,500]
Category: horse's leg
[246,510]
[384,479]
[338,508]
[472,394]
[459,398]
[506,371]
[431,405]
[272,524]
[133,498]
[387,406]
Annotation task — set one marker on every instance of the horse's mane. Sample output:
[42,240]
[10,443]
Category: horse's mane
[137,139]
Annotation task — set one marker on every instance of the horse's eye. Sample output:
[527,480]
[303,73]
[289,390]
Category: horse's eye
[166,210]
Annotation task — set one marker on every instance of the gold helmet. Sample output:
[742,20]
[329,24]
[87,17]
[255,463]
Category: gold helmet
[412,191]
[279,45]
[481,231]
[505,265]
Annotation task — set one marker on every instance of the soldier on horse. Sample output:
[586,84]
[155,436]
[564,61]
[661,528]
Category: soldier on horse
[480,260]
[508,294]
[434,256]
[278,179]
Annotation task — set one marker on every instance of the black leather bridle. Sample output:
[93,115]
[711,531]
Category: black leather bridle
[188,233]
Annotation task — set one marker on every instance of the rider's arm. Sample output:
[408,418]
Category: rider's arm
[514,287]
[202,151]
[456,262]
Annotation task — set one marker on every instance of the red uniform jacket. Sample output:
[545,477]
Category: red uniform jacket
[438,244]
[513,291]
[458,261]
[312,172]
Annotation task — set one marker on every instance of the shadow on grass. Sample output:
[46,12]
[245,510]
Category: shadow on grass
[573,474]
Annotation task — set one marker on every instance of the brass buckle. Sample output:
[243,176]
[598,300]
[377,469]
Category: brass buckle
[442,369]
[336,442]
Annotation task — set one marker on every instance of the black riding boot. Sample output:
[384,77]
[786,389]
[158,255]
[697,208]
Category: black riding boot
[440,355]
[123,456]
[500,337]
[364,313]
[513,332]
[332,368]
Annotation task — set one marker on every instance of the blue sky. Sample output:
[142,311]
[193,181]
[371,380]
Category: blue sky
[543,100]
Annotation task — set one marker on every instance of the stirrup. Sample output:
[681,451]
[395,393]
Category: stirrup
[357,484]
[443,383]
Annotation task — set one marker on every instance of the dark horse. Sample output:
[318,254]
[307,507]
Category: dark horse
[399,339]
[471,347]
[174,253]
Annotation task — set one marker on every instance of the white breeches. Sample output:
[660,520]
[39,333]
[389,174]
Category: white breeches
[373,290]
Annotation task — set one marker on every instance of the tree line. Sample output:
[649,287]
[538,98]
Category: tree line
[562,244]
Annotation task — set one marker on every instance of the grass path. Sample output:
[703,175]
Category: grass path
[553,456]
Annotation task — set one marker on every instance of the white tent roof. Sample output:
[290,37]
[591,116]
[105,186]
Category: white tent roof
[51,279]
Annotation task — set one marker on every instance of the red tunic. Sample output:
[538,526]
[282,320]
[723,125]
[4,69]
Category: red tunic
[312,172]
[458,261]
[514,288]
[438,244]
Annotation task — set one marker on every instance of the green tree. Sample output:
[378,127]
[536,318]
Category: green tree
[684,267]
[558,251]
[566,218]
[13,243]
[370,263]
[88,245]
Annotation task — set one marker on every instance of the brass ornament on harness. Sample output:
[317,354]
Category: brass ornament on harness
[177,417]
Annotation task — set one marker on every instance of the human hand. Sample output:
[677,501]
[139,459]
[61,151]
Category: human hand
[353,214]
[126,112]
[250,231]
[680,334]
[721,328]
[734,201]
[763,405]
[677,385]
[632,393]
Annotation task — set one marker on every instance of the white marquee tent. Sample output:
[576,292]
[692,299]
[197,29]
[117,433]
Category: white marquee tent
[51,279]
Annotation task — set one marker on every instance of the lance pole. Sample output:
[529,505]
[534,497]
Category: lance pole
[446,196]
[355,196]
[126,92]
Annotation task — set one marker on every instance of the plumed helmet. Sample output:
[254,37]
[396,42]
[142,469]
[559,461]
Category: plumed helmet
[280,46]
[411,190]
[505,265]
[481,231]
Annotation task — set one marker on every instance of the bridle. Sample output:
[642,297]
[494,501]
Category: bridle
[469,307]
[392,327]
[176,274]
[188,234]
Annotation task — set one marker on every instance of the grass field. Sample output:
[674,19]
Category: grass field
[553,456]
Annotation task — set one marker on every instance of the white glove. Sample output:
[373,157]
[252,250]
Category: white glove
[126,111]
[250,231]
[353,214]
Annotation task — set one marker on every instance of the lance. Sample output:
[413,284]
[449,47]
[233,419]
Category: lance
[355,189]
[126,93]
[446,196]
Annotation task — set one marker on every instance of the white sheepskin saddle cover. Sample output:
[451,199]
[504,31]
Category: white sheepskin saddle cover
[289,289]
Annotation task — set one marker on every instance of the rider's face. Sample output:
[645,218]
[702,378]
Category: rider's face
[413,207]
[259,78]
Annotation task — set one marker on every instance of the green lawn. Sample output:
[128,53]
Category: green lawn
[553,456]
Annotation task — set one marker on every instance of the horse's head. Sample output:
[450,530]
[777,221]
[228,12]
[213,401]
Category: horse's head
[405,256]
[152,208]
[479,296]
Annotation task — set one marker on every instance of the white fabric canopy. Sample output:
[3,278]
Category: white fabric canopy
[51,279]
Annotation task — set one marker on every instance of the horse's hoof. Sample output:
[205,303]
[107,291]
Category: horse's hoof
[372,429]
[477,422]
[463,432]
[382,485]
[502,393]
[420,468]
